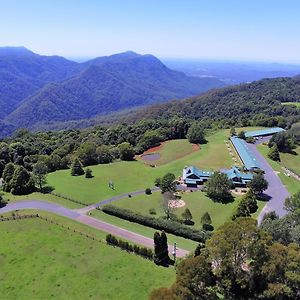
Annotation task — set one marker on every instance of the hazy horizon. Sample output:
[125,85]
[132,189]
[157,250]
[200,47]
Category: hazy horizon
[261,31]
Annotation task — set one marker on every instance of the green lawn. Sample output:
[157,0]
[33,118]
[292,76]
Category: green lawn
[197,202]
[291,161]
[170,151]
[39,260]
[132,176]
[292,184]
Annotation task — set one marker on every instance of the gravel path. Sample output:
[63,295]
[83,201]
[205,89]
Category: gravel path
[276,192]
[84,219]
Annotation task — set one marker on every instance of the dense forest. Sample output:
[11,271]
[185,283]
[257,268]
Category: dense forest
[244,104]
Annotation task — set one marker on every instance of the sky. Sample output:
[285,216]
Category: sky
[254,30]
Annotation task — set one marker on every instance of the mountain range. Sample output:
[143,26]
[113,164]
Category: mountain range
[39,89]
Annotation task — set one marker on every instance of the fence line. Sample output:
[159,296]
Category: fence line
[70,199]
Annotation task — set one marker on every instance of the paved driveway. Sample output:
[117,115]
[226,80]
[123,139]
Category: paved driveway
[276,192]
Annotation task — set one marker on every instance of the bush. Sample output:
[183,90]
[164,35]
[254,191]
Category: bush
[124,245]
[148,191]
[152,211]
[168,226]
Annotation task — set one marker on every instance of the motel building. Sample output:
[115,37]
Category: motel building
[192,176]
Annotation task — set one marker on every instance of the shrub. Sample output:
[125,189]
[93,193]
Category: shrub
[148,191]
[168,226]
[88,173]
[152,211]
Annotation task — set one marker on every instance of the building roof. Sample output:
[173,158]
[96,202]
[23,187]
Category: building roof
[193,170]
[267,131]
[235,172]
[248,159]
[232,173]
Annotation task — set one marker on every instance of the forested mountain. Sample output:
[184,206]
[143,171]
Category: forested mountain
[241,104]
[23,72]
[261,98]
[36,88]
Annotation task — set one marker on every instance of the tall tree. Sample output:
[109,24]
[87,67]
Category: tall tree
[39,174]
[161,252]
[196,134]
[22,182]
[258,184]
[7,176]
[218,187]
[274,153]
[206,221]
[166,183]
[76,169]
[126,151]
[187,216]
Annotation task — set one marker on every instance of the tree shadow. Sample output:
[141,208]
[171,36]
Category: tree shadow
[3,203]
[264,197]
[47,189]
[224,199]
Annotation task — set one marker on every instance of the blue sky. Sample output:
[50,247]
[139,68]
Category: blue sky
[265,30]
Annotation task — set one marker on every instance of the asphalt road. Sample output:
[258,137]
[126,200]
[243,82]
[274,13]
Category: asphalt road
[276,192]
[87,220]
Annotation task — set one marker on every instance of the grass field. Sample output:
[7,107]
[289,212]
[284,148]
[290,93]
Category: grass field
[292,184]
[39,260]
[132,176]
[170,151]
[291,161]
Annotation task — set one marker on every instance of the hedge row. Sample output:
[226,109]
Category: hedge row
[142,251]
[168,226]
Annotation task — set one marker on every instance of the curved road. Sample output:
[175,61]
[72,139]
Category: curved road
[276,192]
[87,220]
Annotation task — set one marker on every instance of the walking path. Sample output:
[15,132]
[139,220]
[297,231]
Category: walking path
[87,220]
[276,192]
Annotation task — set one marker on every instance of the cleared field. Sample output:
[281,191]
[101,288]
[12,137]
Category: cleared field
[291,183]
[291,161]
[39,260]
[167,152]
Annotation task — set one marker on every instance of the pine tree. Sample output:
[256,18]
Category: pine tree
[274,153]
[88,173]
[206,221]
[187,216]
[77,169]
[161,251]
